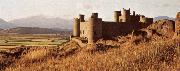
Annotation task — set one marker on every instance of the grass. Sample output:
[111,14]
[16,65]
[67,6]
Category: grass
[9,41]
[30,40]
[155,55]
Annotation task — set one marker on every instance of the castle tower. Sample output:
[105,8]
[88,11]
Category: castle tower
[81,18]
[94,15]
[142,19]
[94,28]
[134,14]
[76,27]
[177,25]
[126,15]
[116,15]
[90,28]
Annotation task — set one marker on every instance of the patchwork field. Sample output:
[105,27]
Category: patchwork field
[8,41]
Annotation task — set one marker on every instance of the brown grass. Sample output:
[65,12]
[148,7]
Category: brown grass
[154,55]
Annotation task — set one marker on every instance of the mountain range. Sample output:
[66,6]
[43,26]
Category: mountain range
[33,30]
[163,17]
[4,24]
[43,22]
[37,21]
[47,22]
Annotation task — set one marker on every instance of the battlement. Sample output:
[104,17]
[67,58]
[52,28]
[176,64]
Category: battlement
[127,17]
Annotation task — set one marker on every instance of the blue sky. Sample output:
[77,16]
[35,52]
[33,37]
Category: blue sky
[67,9]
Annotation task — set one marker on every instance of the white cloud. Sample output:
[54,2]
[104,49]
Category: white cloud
[12,9]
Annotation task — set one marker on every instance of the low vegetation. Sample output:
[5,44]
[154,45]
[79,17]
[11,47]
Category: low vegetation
[10,41]
[124,54]
[134,52]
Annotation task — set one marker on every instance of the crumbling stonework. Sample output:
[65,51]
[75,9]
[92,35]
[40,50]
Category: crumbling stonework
[94,28]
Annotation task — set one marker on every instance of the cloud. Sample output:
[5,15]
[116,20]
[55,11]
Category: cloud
[84,6]
[10,9]
[88,6]
[166,5]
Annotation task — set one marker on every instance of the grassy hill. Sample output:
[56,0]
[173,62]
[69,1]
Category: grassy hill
[158,54]
[123,53]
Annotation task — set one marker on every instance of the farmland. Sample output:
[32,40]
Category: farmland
[8,41]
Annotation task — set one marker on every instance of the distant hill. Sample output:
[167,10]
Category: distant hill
[163,17]
[43,22]
[32,30]
[57,29]
[5,25]
[1,29]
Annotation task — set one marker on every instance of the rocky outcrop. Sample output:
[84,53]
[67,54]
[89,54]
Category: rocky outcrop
[163,27]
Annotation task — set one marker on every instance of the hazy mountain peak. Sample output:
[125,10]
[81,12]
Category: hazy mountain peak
[5,25]
[163,17]
[43,22]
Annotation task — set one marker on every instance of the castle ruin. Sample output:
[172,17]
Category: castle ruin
[95,28]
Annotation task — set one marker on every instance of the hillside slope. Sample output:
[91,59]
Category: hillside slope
[123,53]
[155,55]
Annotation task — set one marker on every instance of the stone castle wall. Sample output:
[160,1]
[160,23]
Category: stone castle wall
[111,29]
[94,28]
[83,29]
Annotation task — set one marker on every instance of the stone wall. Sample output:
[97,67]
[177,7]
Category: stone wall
[112,29]
[83,29]
[81,44]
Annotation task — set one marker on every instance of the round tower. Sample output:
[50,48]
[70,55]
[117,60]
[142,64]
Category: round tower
[116,15]
[76,27]
[91,30]
[124,16]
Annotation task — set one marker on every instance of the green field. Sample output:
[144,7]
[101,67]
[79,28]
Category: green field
[16,40]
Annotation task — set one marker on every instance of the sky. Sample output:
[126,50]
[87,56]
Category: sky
[68,9]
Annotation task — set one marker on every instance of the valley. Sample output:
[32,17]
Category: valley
[9,41]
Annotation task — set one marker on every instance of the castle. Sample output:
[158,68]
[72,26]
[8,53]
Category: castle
[95,28]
